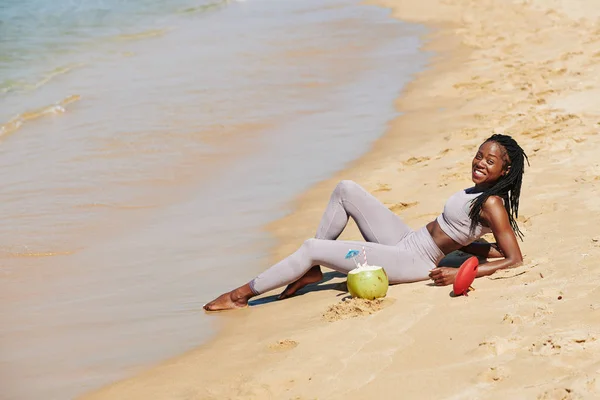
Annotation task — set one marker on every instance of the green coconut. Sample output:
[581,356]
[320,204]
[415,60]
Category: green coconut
[368,282]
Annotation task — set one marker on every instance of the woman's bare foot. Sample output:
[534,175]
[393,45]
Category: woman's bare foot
[237,298]
[311,276]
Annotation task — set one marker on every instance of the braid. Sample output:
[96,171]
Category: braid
[508,187]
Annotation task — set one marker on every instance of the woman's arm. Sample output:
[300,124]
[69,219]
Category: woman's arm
[507,247]
[485,250]
[495,215]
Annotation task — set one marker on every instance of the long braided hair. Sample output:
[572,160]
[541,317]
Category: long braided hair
[508,186]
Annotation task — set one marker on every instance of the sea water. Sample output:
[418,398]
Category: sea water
[144,145]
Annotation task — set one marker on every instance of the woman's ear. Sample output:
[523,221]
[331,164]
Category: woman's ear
[506,170]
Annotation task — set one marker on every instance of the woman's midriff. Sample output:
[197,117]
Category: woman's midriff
[444,242]
[420,244]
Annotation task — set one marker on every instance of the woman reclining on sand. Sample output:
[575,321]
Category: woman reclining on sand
[408,256]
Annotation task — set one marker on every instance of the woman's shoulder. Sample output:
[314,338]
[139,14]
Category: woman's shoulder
[493,202]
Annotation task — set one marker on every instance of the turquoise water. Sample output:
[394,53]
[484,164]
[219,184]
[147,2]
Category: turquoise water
[36,35]
[143,147]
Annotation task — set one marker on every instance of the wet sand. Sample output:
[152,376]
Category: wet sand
[528,69]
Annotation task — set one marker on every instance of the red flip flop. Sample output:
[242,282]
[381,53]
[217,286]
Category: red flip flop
[465,276]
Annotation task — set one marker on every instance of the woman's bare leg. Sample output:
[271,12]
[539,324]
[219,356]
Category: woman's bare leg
[237,298]
[313,275]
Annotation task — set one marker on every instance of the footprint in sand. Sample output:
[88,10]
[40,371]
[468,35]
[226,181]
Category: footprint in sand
[512,319]
[492,374]
[559,394]
[529,312]
[451,177]
[443,153]
[415,160]
[283,345]
[542,311]
[383,187]
[395,208]
[497,346]
[546,295]
[586,385]
[474,85]
[526,221]
[564,342]
[588,179]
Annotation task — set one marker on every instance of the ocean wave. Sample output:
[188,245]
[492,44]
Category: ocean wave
[206,7]
[141,35]
[160,32]
[114,206]
[11,85]
[34,254]
[17,122]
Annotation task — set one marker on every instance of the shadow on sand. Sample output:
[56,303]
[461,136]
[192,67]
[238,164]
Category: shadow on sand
[313,287]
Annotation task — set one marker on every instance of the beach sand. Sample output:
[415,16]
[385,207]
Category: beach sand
[526,68]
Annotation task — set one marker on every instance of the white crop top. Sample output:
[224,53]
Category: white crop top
[455,221]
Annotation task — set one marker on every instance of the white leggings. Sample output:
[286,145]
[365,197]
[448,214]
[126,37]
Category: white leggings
[404,254]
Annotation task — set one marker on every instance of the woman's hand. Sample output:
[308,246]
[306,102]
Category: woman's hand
[443,276]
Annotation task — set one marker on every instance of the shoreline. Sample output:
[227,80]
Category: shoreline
[504,68]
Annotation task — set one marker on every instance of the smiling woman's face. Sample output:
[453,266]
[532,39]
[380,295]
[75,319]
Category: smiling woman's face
[489,164]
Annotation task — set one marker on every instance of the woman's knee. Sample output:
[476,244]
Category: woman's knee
[307,250]
[345,188]
[309,244]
